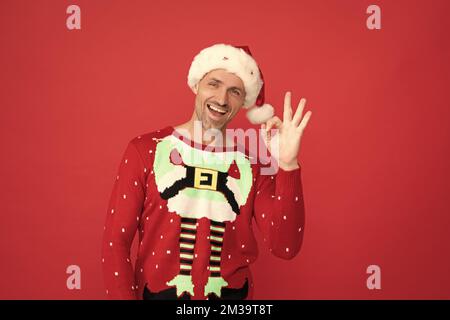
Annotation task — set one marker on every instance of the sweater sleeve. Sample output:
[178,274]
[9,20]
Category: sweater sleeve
[279,211]
[122,220]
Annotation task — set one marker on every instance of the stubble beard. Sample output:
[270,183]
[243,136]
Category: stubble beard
[206,121]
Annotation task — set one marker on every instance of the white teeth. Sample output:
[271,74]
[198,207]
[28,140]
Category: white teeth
[218,110]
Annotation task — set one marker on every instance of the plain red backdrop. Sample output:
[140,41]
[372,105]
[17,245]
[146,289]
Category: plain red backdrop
[375,154]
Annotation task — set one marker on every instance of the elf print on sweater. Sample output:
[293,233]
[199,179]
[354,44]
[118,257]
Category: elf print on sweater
[194,210]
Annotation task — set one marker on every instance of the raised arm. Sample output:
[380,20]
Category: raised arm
[279,207]
[279,212]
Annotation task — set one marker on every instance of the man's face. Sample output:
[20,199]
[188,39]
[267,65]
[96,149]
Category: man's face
[219,96]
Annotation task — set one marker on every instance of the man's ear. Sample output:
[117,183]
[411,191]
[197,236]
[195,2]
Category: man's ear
[195,88]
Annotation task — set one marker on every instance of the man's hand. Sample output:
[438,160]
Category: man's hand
[289,134]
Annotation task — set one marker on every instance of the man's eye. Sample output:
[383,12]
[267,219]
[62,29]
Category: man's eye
[213,84]
[237,92]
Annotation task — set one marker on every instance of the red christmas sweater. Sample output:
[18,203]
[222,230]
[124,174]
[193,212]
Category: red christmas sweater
[193,209]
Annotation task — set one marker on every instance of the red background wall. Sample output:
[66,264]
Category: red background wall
[375,154]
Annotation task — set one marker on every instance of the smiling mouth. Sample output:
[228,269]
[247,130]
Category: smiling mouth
[215,110]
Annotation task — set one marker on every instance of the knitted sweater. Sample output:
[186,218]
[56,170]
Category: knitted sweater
[194,220]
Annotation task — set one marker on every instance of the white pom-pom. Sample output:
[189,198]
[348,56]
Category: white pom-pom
[258,115]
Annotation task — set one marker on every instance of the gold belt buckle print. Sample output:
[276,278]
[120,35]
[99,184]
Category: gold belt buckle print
[205,179]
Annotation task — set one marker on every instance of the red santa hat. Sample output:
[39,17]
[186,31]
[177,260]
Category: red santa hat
[237,60]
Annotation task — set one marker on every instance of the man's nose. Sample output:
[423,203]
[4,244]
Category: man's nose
[222,97]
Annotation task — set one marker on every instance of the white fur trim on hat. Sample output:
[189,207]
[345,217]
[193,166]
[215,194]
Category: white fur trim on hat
[232,59]
[258,115]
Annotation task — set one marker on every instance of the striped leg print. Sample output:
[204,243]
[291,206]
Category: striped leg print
[187,243]
[215,280]
[216,239]
[183,280]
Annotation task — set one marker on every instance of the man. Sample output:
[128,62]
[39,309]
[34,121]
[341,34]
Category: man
[193,206]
